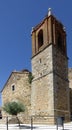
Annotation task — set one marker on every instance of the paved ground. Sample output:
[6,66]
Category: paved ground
[35,127]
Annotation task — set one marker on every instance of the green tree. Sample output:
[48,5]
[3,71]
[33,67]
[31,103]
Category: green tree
[30,76]
[14,108]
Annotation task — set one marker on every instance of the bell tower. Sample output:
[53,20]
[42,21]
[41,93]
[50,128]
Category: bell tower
[50,89]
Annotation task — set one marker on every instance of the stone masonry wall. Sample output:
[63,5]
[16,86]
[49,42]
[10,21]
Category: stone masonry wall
[22,90]
[61,84]
[70,86]
[70,77]
[42,98]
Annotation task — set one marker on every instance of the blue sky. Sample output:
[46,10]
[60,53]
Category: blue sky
[17,17]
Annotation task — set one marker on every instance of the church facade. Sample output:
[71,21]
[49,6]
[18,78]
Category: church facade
[49,94]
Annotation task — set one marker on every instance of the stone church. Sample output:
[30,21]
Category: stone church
[50,92]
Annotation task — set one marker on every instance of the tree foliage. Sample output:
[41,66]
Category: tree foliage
[13,108]
[30,76]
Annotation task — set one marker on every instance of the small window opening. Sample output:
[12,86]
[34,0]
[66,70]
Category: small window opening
[40,38]
[40,74]
[40,60]
[59,41]
[13,87]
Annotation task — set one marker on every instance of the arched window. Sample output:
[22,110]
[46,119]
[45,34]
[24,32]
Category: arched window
[13,87]
[59,41]
[40,38]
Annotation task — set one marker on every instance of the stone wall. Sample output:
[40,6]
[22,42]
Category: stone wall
[50,86]
[21,92]
[42,98]
[70,77]
[61,84]
[70,86]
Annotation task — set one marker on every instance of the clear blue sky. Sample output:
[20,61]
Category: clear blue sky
[17,17]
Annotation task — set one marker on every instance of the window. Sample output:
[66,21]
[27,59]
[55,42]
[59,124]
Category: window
[40,38]
[40,74]
[59,41]
[40,60]
[13,87]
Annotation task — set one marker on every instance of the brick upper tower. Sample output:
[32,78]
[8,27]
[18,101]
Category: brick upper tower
[49,31]
[50,86]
